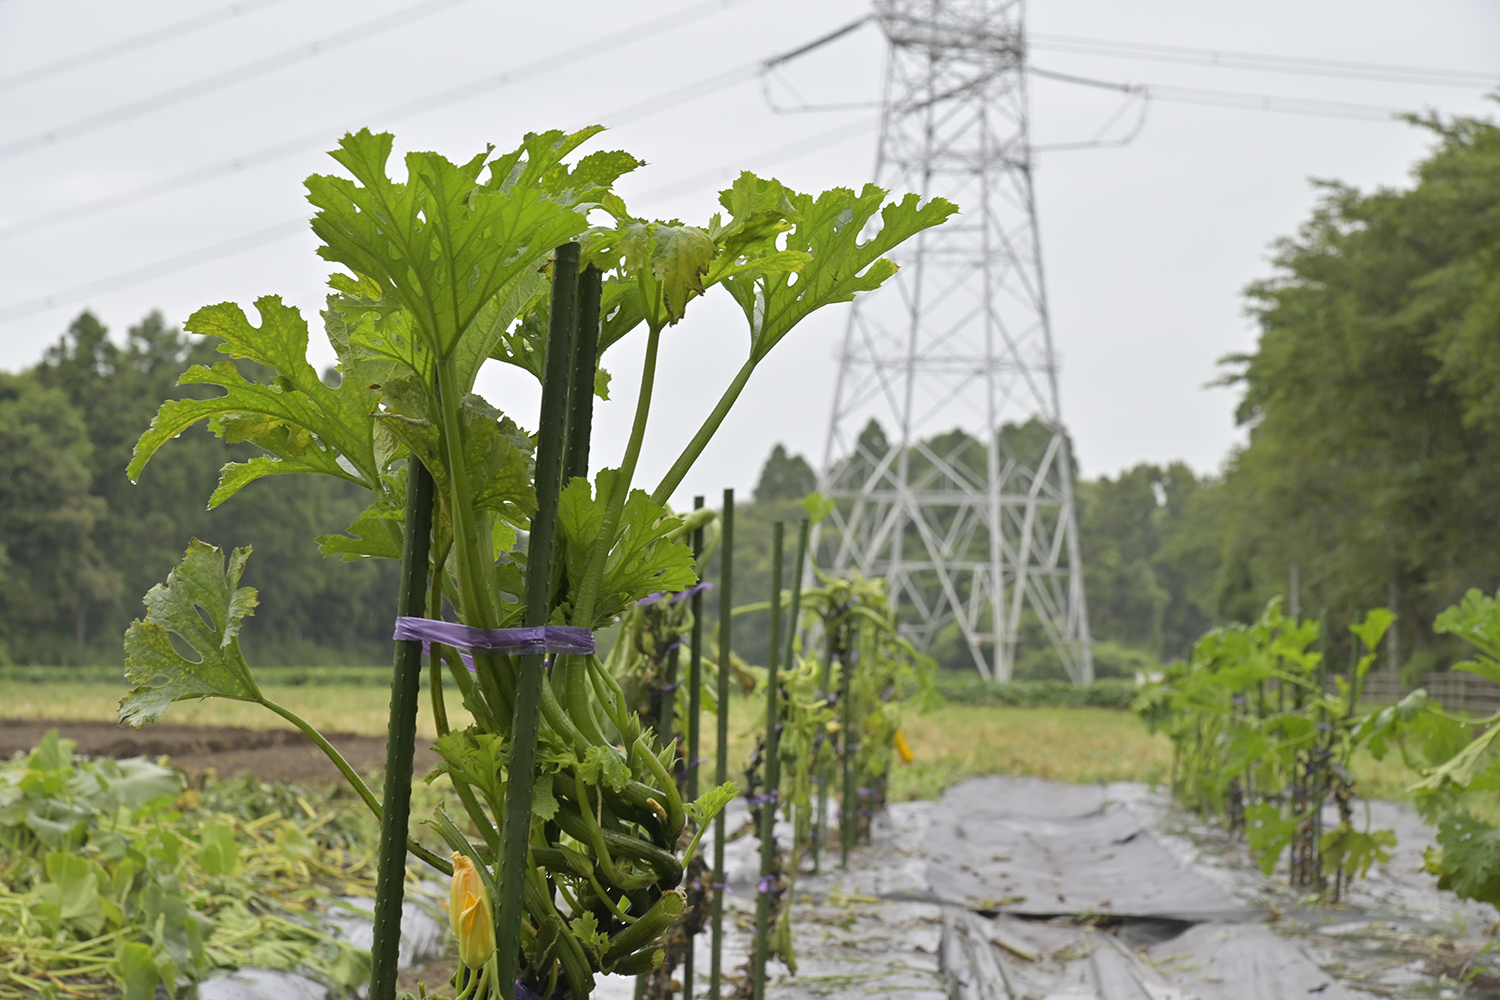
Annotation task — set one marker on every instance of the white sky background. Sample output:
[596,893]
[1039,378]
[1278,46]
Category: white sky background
[1146,247]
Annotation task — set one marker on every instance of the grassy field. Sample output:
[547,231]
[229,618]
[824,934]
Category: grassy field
[954,742]
[1078,745]
[330,708]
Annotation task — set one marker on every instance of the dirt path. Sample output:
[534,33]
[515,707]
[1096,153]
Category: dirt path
[269,754]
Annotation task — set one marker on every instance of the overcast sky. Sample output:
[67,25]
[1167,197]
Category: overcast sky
[169,176]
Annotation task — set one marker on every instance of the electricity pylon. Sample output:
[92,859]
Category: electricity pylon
[974,526]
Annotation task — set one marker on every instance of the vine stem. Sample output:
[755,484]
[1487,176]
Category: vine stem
[706,431]
[355,781]
[588,593]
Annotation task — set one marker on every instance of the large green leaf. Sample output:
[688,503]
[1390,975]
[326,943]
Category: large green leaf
[642,559]
[203,605]
[1469,862]
[442,244]
[826,229]
[305,425]
[1354,851]
[376,533]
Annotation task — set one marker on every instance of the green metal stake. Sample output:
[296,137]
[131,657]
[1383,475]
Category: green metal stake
[516,834]
[406,691]
[772,773]
[721,758]
[585,363]
[795,615]
[849,807]
[1320,764]
[695,713]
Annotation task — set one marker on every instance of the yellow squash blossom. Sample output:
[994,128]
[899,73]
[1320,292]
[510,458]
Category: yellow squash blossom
[903,747]
[469,914]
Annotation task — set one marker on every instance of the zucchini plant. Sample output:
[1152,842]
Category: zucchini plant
[1259,740]
[1458,758]
[523,258]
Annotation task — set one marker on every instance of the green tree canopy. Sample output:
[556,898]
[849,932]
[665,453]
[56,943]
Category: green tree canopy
[1373,464]
[785,477]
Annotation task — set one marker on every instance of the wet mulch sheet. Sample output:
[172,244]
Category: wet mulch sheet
[1022,889]
[282,755]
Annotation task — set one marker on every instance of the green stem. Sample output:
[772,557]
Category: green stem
[435,657]
[700,440]
[473,591]
[588,593]
[355,782]
[406,691]
[350,775]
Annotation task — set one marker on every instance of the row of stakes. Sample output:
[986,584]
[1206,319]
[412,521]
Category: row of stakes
[781,649]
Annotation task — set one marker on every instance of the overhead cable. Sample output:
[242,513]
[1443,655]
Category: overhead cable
[270,64]
[1262,62]
[171,265]
[124,46]
[1237,99]
[292,227]
[410,109]
[789,151]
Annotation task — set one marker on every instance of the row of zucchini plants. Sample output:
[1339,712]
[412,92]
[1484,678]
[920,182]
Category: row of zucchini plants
[837,680]
[1264,737]
[571,842]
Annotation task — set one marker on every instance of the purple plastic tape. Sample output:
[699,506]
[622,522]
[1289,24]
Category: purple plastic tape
[570,639]
[701,587]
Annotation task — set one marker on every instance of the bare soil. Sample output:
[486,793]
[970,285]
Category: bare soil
[198,751]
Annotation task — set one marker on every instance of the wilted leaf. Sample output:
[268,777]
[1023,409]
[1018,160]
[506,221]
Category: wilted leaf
[163,675]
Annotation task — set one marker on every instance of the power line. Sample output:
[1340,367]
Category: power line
[157,269]
[776,155]
[127,45]
[1281,105]
[1262,62]
[422,105]
[292,227]
[1236,99]
[260,67]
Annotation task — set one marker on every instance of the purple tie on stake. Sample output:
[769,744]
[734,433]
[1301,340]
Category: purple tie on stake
[569,639]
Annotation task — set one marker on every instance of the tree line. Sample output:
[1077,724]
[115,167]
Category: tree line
[80,544]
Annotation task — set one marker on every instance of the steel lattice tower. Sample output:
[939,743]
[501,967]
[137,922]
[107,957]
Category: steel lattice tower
[975,526]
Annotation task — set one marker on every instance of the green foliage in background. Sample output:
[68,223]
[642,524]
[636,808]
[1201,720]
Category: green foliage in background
[79,543]
[1372,407]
